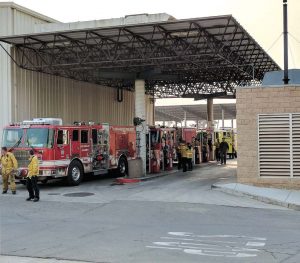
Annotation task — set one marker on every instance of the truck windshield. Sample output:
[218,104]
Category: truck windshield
[12,137]
[39,137]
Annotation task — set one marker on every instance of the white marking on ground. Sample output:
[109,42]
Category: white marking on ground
[255,244]
[171,248]
[199,240]
[187,234]
[239,246]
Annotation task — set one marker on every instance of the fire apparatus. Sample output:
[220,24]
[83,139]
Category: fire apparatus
[161,148]
[71,151]
[187,134]
[230,137]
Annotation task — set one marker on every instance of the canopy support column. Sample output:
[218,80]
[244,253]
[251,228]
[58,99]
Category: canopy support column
[140,111]
[210,127]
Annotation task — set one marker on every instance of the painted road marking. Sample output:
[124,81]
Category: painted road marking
[187,234]
[255,244]
[239,246]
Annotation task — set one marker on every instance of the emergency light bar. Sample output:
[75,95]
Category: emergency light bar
[43,121]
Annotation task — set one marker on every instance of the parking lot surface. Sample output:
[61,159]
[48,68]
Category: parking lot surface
[176,218]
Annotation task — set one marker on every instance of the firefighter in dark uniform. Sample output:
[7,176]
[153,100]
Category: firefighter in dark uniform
[224,147]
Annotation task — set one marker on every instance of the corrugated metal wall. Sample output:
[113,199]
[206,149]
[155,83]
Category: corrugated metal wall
[5,70]
[41,95]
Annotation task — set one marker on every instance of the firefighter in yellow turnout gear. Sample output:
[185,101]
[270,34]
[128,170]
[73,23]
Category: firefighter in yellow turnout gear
[9,166]
[31,180]
[189,153]
[184,156]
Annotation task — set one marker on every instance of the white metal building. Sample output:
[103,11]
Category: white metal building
[14,19]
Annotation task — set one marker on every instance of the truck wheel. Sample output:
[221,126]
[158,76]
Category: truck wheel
[44,181]
[123,167]
[75,173]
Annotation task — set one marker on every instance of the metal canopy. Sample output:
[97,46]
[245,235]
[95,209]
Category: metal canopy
[177,58]
[194,112]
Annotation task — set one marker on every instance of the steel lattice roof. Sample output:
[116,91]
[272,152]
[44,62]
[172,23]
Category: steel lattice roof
[177,58]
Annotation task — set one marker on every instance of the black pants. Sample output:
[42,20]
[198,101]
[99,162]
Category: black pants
[32,187]
[190,164]
[217,154]
[223,157]
[184,164]
[179,161]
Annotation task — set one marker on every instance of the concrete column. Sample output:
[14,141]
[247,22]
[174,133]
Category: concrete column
[140,111]
[210,125]
[223,122]
[153,111]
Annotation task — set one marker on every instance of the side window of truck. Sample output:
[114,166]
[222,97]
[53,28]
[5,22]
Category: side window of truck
[84,136]
[75,136]
[62,137]
[94,136]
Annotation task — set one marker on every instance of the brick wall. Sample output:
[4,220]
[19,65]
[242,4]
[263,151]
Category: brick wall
[250,102]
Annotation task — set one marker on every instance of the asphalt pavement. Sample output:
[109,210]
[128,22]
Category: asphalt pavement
[176,218]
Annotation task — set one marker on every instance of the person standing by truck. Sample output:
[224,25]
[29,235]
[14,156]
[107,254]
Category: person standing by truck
[224,147]
[189,157]
[9,166]
[31,180]
[217,148]
[180,148]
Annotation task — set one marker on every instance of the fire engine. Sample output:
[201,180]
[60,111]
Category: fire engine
[161,148]
[230,137]
[71,151]
[187,134]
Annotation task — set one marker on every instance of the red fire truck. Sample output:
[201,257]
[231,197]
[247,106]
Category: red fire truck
[160,148]
[188,134]
[71,151]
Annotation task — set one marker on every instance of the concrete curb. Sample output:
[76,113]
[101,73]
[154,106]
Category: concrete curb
[158,175]
[280,201]
[122,180]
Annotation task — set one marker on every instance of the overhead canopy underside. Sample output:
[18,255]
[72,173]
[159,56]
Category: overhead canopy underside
[177,58]
[194,112]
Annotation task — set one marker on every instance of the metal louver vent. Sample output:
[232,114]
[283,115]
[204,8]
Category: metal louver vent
[296,143]
[274,145]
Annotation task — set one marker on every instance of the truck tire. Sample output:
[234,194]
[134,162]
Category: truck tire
[44,181]
[123,167]
[75,173]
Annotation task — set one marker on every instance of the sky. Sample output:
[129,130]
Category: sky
[261,18]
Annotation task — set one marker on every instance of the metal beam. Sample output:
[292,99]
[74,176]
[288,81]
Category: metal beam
[166,116]
[198,115]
